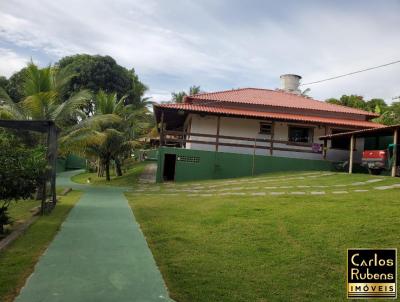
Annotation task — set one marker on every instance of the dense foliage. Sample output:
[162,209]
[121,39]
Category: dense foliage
[44,97]
[389,114]
[22,172]
[98,105]
[107,135]
[102,73]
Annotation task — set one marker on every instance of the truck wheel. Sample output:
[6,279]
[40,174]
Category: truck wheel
[375,171]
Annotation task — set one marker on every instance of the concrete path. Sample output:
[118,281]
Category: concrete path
[100,254]
[149,174]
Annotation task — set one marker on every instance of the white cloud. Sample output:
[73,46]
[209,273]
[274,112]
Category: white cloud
[174,44]
[10,62]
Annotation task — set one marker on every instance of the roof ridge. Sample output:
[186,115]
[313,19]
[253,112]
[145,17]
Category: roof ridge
[215,92]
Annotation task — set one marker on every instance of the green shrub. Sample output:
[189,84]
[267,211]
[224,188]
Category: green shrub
[22,172]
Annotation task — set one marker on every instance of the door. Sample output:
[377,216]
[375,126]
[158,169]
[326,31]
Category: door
[169,167]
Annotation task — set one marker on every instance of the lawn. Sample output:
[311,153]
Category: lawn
[18,260]
[227,241]
[129,178]
[20,212]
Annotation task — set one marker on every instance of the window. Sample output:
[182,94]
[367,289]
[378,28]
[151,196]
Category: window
[265,128]
[189,159]
[340,142]
[300,134]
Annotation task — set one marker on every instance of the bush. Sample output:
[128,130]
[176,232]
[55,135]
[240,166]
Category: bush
[22,172]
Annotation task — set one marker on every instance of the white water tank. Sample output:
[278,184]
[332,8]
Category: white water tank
[290,83]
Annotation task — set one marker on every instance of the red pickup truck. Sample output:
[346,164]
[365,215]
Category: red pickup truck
[375,160]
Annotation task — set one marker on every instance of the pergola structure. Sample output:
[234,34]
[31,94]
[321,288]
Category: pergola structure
[42,126]
[353,135]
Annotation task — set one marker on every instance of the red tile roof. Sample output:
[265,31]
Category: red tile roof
[275,98]
[272,115]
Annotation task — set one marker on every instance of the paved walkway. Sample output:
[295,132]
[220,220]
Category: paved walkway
[149,174]
[100,254]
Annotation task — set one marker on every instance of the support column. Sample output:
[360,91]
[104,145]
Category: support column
[271,147]
[162,129]
[217,138]
[52,156]
[352,144]
[325,147]
[395,142]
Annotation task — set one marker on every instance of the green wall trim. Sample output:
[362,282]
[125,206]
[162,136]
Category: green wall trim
[217,165]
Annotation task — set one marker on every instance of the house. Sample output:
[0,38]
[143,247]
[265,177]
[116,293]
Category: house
[278,124]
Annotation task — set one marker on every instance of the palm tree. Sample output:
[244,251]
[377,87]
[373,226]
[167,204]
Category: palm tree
[106,135]
[100,137]
[43,91]
[178,97]
[194,90]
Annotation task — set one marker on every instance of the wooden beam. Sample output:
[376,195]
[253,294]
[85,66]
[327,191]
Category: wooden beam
[259,140]
[395,142]
[325,150]
[237,145]
[52,158]
[217,137]
[35,125]
[254,156]
[352,144]
[271,151]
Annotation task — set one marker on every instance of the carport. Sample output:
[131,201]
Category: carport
[376,132]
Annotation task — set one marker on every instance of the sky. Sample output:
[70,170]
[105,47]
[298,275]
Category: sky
[217,44]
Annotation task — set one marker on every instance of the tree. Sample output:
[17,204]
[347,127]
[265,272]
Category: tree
[22,172]
[100,137]
[178,97]
[355,101]
[376,105]
[43,96]
[102,73]
[391,116]
[333,101]
[107,135]
[15,87]
[3,82]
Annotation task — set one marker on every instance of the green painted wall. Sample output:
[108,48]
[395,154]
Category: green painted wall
[213,165]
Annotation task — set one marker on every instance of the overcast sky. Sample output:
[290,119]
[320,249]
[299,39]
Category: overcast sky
[217,44]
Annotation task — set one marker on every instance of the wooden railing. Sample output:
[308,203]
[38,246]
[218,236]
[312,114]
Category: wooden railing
[180,138]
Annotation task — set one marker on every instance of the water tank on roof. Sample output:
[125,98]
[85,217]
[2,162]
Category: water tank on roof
[290,83]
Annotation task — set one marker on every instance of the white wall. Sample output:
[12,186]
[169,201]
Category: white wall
[249,128]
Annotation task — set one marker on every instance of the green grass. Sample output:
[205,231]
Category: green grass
[128,179]
[18,260]
[265,248]
[20,212]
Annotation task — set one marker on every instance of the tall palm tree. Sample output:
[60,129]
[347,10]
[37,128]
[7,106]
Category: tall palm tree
[178,97]
[43,97]
[106,135]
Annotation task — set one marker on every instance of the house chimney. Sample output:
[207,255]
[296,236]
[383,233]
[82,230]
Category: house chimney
[290,83]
